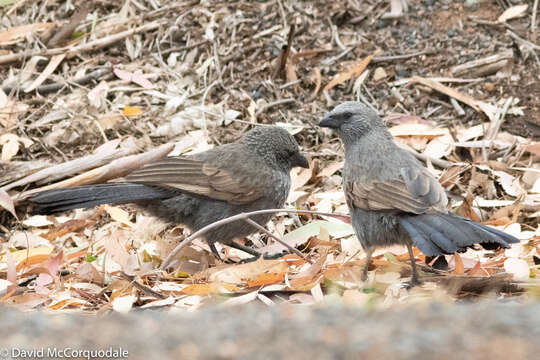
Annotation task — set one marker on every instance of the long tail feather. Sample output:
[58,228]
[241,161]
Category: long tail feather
[52,201]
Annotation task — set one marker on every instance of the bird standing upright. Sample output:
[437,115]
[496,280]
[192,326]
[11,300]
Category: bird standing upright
[200,189]
[393,198]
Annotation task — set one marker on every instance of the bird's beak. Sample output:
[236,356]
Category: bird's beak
[329,122]
[300,160]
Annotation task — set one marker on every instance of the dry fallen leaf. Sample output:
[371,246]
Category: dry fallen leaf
[513,12]
[353,71]
[459,269]
[17,33]
[131,111]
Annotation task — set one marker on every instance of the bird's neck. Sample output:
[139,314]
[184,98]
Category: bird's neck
[369,145]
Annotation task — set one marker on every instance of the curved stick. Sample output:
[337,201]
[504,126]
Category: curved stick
[242,216]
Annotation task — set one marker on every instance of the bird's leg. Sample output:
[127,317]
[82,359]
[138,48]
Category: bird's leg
[414,279]
[232,244]
[245,249]
[369,251]
[214,251]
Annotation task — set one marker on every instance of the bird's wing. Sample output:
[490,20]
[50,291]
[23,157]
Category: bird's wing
[200,178]
[414,191]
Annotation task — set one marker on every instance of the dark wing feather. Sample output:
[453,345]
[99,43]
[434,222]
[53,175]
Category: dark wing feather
[415,191]
[199,178]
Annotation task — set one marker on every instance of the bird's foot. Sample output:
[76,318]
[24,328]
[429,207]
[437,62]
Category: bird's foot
[248,260]
[265,256]
[412,283]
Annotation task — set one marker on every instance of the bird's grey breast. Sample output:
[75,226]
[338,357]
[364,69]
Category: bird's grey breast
[282,183]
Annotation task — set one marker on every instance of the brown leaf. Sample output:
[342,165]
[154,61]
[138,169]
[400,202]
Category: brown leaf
[87,272]
[69,226]
[477,270]
[353,71]
[459,269]
[65,32]
[466,209]
[211,288]
[450,177]
[14,34]
[267,279]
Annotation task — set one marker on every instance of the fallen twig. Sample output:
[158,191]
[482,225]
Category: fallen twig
[145,289]
[275,103]
[72,51]
[242,216]
[533,18]
[116,168]
[284,56]
[185,47]
[45,89]
[264,230]
[483,66]
[378,59]
[71,167]
[523,41]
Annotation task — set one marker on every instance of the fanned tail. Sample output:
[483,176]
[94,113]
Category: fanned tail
[439,234]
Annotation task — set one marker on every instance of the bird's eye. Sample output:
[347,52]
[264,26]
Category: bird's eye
[346,115]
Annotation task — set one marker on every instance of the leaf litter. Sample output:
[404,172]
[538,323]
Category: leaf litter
[192,75]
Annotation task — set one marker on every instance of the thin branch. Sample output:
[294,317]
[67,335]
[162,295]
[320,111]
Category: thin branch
[533,19]
[185,47]
[378,59]
[48,88]
[72,51]
[275,103]
[145,289]
[519,39]
[264,230]
[242,216]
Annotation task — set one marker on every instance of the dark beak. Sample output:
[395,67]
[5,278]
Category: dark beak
[300,160]
[329,122]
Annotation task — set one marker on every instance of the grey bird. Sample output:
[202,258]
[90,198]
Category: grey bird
[393,198]
[197,190]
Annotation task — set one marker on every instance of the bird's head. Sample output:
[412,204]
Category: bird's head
[352,120]
[277,146]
